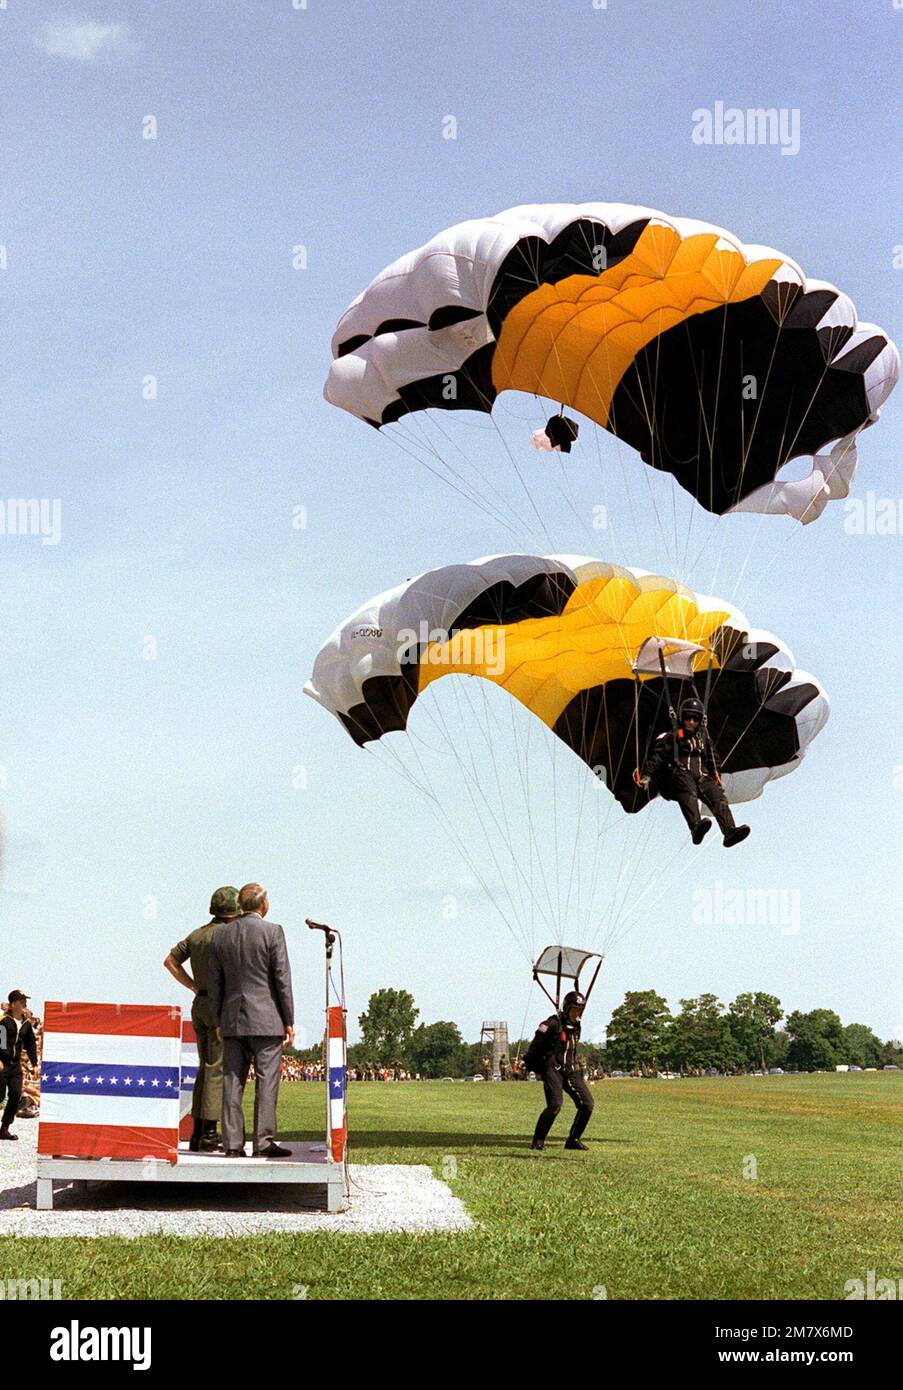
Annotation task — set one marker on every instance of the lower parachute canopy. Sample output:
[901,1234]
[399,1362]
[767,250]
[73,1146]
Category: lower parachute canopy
[569,638]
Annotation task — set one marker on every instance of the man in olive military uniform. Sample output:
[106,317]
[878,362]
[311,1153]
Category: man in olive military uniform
[16,1036]
[552,1055]
[207,1101]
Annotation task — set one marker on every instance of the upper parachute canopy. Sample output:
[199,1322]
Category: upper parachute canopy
[569,637]
[718,362]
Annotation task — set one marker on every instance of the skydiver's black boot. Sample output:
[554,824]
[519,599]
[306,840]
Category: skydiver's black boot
[733,837]
[194,1143]
[570,1143]
[538,1144]
[701,829]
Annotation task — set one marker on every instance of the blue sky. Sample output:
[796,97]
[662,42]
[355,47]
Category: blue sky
[133,786]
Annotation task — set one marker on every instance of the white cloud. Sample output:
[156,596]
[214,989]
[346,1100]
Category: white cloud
[83,40]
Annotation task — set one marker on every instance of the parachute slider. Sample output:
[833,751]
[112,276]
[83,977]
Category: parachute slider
[670,656]
[564,963]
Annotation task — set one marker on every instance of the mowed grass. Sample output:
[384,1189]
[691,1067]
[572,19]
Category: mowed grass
[748,1188]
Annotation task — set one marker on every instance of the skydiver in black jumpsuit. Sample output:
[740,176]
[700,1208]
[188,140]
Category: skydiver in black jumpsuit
[555,1049]
[682,768]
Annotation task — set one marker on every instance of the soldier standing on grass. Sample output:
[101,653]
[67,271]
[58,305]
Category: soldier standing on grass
[552,1055]
[207,1100]
[16,1036]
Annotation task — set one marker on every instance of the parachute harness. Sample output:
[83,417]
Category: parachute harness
[673,717]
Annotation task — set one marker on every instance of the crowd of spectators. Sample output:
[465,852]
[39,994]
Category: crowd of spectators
[293,1069]
[397,1073]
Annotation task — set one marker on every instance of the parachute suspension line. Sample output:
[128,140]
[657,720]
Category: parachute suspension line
[704,428]
[785,447]
[705,715]
[487,403]
[520,1036]
[474,788]
[508,835]
[613,770]
[623,887]
[520,477]
[590,372]
[638,689]
[523,772]
[535,849]
[522,764]
[626,886]
[625,924]
[619,447]
[469,496]
[564,471]
[628,492]
[587,783]
[672,712]
[651,422]
[442,816]
[604,823]
[555,835]
[444,820]
[501,512]
[622,921]
[636,858]
[719,559]
[477,795]
[434,418]
[744,461]
[746,728]
[567,492]
[648,408]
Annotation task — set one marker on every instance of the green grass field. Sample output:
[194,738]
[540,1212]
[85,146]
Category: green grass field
[659,1209]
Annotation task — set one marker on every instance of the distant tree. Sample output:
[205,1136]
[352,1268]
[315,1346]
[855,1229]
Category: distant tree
[437,1049]
[776,1055]
[860,1047]
[700,1037]
[891,1053]
[387,1026]
[816,1040]
[752,1019]
[637,1032]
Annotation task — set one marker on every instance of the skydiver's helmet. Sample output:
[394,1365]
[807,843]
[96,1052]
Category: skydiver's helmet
[573,1001]
[693,708]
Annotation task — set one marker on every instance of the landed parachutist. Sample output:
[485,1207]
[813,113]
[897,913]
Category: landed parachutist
[552,1055]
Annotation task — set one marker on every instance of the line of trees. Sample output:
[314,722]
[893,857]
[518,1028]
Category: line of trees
[643,1037]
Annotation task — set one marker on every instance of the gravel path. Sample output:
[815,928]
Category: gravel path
[384,1197]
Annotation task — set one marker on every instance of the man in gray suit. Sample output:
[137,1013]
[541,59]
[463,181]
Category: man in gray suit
[249,990]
